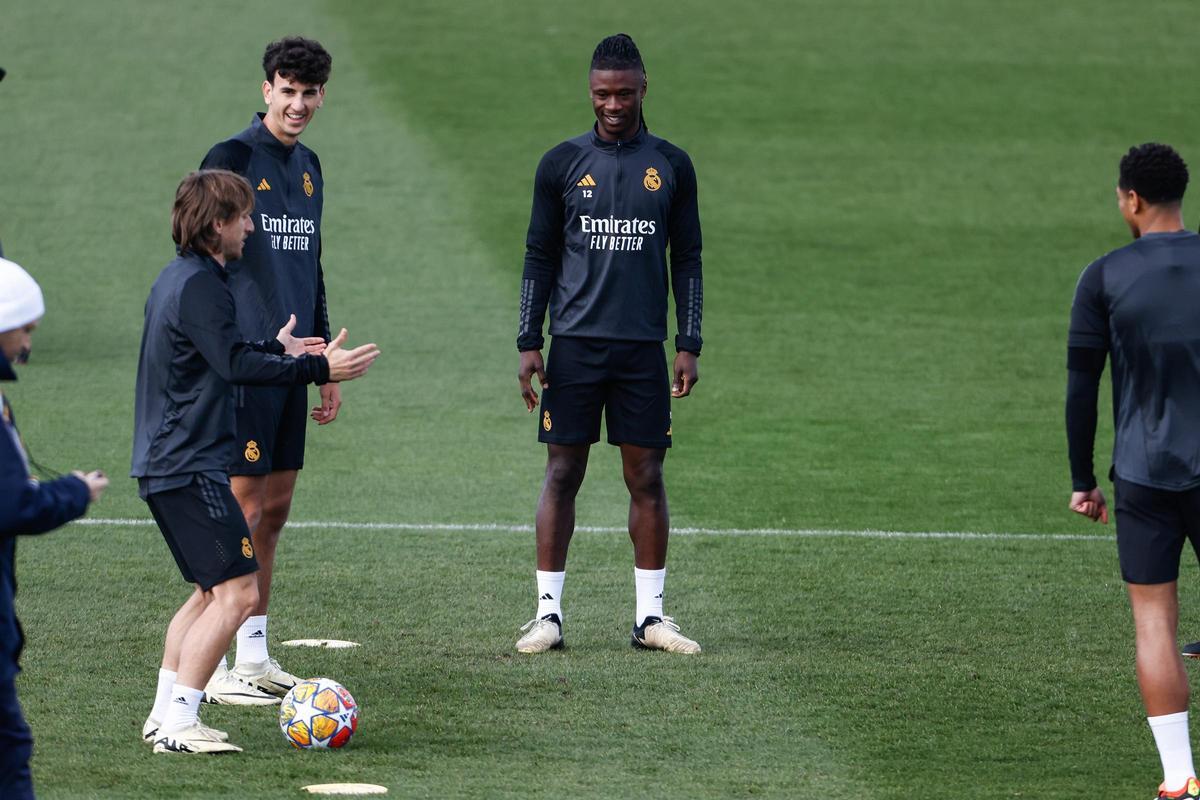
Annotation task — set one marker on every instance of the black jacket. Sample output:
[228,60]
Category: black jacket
[191,355]
[26,507]
[279,272]
[603,216]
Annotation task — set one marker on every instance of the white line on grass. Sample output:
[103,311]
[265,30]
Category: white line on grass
[800,532]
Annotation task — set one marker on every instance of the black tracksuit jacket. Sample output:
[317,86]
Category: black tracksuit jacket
[603,216]
[192,353]
[279,272]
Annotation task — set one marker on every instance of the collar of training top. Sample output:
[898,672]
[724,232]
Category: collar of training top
[207,260]
[628,144]
[264,137]
[7,373]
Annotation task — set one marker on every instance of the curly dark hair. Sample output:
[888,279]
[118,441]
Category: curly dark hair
[617,52]
[297,59]
[1156,172]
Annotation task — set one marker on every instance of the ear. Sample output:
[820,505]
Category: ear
[266,90]
[644,84]
[1136,204]
[321,96]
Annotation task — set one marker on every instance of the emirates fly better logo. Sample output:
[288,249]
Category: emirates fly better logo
[288,233]
[613,233]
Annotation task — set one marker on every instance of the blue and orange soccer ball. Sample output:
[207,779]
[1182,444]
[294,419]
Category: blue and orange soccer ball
[318,713]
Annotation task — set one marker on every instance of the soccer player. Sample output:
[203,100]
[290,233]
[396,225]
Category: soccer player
[192,357]
[1137,306]
[605,206]
[26,507]
[278,274]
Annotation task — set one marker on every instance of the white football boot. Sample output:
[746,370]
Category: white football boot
[266,676]
[150,731]
[194,739]
[661,633]
[542,634]
[224,688]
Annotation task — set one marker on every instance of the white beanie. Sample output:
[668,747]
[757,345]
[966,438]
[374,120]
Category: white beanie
[20,297]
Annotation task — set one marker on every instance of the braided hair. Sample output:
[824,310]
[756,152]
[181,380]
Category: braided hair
[617,52]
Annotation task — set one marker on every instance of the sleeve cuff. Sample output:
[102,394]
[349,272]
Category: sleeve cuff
[525,343]
[687,344]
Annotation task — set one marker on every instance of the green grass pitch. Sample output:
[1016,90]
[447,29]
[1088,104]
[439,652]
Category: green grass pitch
[897,199]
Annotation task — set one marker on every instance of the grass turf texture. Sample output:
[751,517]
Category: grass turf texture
[897,199]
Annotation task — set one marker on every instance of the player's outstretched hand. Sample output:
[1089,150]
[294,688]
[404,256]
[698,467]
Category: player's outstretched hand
[687,372]
[96,482]
[298,346]
[531,363]
[346,365]
[1091,505]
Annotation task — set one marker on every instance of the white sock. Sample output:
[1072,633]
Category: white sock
[223,665]
[1174,748]
[550,593]
[649,584]
[162,697]
[252,641]
[183,710]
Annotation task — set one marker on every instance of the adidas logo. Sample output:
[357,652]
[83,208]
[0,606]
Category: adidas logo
[181,700]
[658,596]
[256,635]
[546,596]
[263,186]
[588,180]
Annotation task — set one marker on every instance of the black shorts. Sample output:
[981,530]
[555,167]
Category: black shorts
[1152,525]
[271,422]
[205,530]
[627,380]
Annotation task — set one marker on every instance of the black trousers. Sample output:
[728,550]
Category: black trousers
[16,746]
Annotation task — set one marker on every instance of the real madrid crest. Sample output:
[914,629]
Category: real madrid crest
[247,550]
[652,182]
[546,421]
[252,453]
[308,186]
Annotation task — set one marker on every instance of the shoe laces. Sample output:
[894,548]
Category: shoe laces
[670,623]
[533,623]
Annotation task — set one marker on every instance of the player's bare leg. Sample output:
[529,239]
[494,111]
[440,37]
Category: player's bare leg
[204,641]
[209,636]
[1162,677]
[184,618]
[266,501]
[649,526]
[177,630]
[648,517]
[566,466]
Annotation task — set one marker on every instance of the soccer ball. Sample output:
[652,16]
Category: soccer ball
[318,713]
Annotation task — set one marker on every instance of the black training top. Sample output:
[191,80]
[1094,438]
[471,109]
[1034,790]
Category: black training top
[1140,305]
[603,215]
[191,353]
[279,272]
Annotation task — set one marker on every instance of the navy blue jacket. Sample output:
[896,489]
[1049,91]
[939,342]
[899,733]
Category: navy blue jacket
[603,216]
[26,507]
[279,272]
